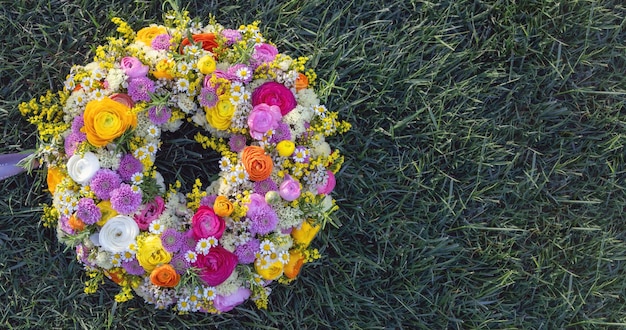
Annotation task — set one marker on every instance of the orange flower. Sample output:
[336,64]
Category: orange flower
[147,34]
[222,206]
[116,275]
[207,40]
[258,165]
[292,268]
[164,275]
[302,82]
[55,176]
[305,234]
[106,120]
[75,223]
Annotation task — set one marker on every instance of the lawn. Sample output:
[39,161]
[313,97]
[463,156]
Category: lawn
[484,184]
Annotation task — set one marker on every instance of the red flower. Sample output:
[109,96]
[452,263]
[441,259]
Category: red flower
[208,41]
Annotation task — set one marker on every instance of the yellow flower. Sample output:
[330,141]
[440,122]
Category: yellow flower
[107,212]
[222,206]
[305,234]
[151,253]
[206,64]
[269,272]
[106,120]
[221,114]
[147,34]
[54,177]
[285,148]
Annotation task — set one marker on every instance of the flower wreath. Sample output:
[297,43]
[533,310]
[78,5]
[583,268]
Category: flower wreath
[211,249]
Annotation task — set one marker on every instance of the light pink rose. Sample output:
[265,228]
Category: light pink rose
[227,303]
[122,98]
[262,118]
[133,67]
[330,184]
[263,53]
[289,190]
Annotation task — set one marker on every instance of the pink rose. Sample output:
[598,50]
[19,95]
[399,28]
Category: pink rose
[216,266]
[206,223]
[289,190]
[330,184]
[273,93]
[227,303]
[218,74]
[262,118]
[133,67]
[150,212]
[263,53]
[123,99]
[256,201]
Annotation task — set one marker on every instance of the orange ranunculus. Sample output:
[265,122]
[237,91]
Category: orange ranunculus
[208,41]
[116,275]
[305,234]
[147,34]
[222,206]
[106,120]
[75,223]
[258,164]
[292,268]
[165,276]
[54,177]
[302,82]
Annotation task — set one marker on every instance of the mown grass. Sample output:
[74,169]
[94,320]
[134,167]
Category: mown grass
[484,183]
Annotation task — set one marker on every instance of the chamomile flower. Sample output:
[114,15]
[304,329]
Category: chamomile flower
[156,227]
[283,256]
[183,305]
[191,256]
[182,85]
[267,247]
[137,178]
[209,293]
[205,244]
[128,255]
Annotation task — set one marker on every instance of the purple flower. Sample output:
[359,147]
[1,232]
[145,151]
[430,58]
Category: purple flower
[78,123]
[179,263]
[262,187]
[237,142]
[246,252]
[103,182]
[133,67]
[231,36]
[262,220]
[281,133]
[124,200]
[159,115]
[64,224]
[161,42]
[208,97]
[140,88]
[129,165]
[87,211]
[227,303]
[171,240]
[208,200]
[72,141]
[289,189]
[133,267]
[188,242]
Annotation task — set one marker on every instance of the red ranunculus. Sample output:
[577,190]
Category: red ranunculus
[205,223]
[208,41]
[216,266]
[273,93]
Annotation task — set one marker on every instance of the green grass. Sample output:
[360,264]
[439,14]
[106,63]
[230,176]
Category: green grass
[484,183]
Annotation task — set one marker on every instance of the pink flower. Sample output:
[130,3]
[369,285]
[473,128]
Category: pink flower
[273,93]
[133,67]
[216,266]
[123,99]
[227,303]
[206,223]
[330,184]
[262,118]
[263,53]
[289,190]
[150,212]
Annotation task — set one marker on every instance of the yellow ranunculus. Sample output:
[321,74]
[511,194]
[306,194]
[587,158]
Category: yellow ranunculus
[163,70]
[222,206]
[206,64]
[285,148]
[305,234]
[147,34]
[150,253]
[106,120]
[221,114]
[107,212]
[269,272]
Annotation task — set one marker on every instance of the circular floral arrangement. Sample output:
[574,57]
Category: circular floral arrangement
[210,249]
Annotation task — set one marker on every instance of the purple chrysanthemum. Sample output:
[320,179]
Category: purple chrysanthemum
[208,97]
[78,123]
[124,200]
[171,240]
[87,211]
[159,115]
[262,220]
[129,165]
[133,267]
[246,253]
[72,141]
[237,142]
[188,242]
[262,187]
[64,224]
[179,263]
[105,181]
[208,200]
[161,42]
[281,133]
[139,89]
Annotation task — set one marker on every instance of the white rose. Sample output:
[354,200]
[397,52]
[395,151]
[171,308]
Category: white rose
[82,168]
[117,233]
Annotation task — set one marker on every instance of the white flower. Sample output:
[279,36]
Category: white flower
[118,233]
[82,168]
